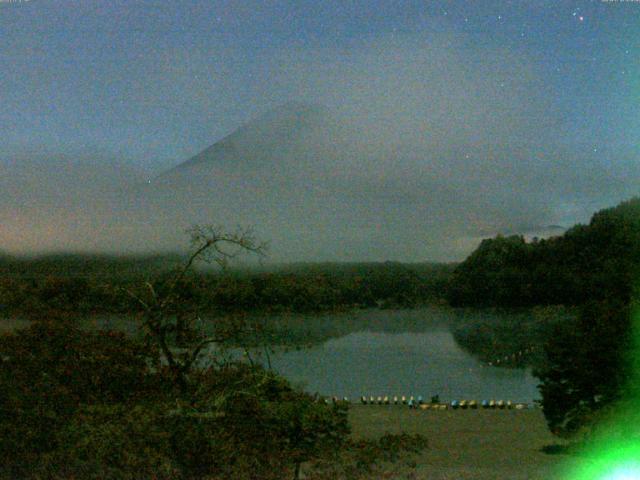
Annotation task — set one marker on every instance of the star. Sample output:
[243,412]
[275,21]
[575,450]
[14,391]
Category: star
[581,18]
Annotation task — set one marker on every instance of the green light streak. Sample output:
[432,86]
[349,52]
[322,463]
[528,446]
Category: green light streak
[614,452]
[610,462]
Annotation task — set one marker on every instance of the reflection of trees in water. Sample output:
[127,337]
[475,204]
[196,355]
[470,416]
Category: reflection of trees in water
[500,338]
[511,339]
[303,331]
[488,335]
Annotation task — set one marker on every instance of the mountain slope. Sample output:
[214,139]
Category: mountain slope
[262,138]
[320,185]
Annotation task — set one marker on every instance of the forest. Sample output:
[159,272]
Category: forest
[85,284]
[589,262]
[100,404]
[587,367]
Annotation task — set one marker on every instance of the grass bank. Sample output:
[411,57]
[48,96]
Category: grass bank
[469,444]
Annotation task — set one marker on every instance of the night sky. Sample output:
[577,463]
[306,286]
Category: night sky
[150,84]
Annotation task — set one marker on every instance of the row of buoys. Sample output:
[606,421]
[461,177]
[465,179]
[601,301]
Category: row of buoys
[403,400]
[335,400]
[464,404]
[501,405]
[512,357]
[436,405]
[473,405]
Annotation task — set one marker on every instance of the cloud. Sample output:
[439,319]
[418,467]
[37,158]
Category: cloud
[429,143]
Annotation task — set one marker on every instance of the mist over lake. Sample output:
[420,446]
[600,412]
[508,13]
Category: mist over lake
[393,352]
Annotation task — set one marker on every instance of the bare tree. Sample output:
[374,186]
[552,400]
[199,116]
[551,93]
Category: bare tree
[164,316]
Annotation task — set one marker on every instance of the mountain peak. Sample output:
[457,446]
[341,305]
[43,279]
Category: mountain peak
[294,107]
[290,115]
[274,129]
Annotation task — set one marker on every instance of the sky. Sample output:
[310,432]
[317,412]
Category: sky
[529,109]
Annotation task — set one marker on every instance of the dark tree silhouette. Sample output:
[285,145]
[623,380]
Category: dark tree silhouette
[166,316]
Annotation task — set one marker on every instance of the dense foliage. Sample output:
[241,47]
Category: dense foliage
[97,405]
[588,262]
[587,367]
[100,405]
[80,404]
[85,284]
[594,267]
[48,372]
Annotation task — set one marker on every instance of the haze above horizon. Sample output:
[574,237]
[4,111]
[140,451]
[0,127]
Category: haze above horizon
[438,123]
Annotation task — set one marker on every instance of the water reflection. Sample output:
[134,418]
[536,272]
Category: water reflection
[429,363]
[407,352]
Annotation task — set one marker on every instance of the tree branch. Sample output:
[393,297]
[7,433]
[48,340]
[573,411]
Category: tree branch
[135,297]
[196,351]
[209,244]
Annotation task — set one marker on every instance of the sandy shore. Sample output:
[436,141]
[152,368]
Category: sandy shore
[469,444]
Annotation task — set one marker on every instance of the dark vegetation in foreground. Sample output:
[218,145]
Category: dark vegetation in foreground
[588,360]
[100,405]
[79,404]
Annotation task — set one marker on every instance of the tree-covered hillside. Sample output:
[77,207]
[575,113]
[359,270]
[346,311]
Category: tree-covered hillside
[594,267]
[589,262]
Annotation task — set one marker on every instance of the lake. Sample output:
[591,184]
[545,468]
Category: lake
[386,352]
[382,352]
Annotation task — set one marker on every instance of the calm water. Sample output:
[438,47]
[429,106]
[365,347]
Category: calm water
[394,353]
[429,363]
